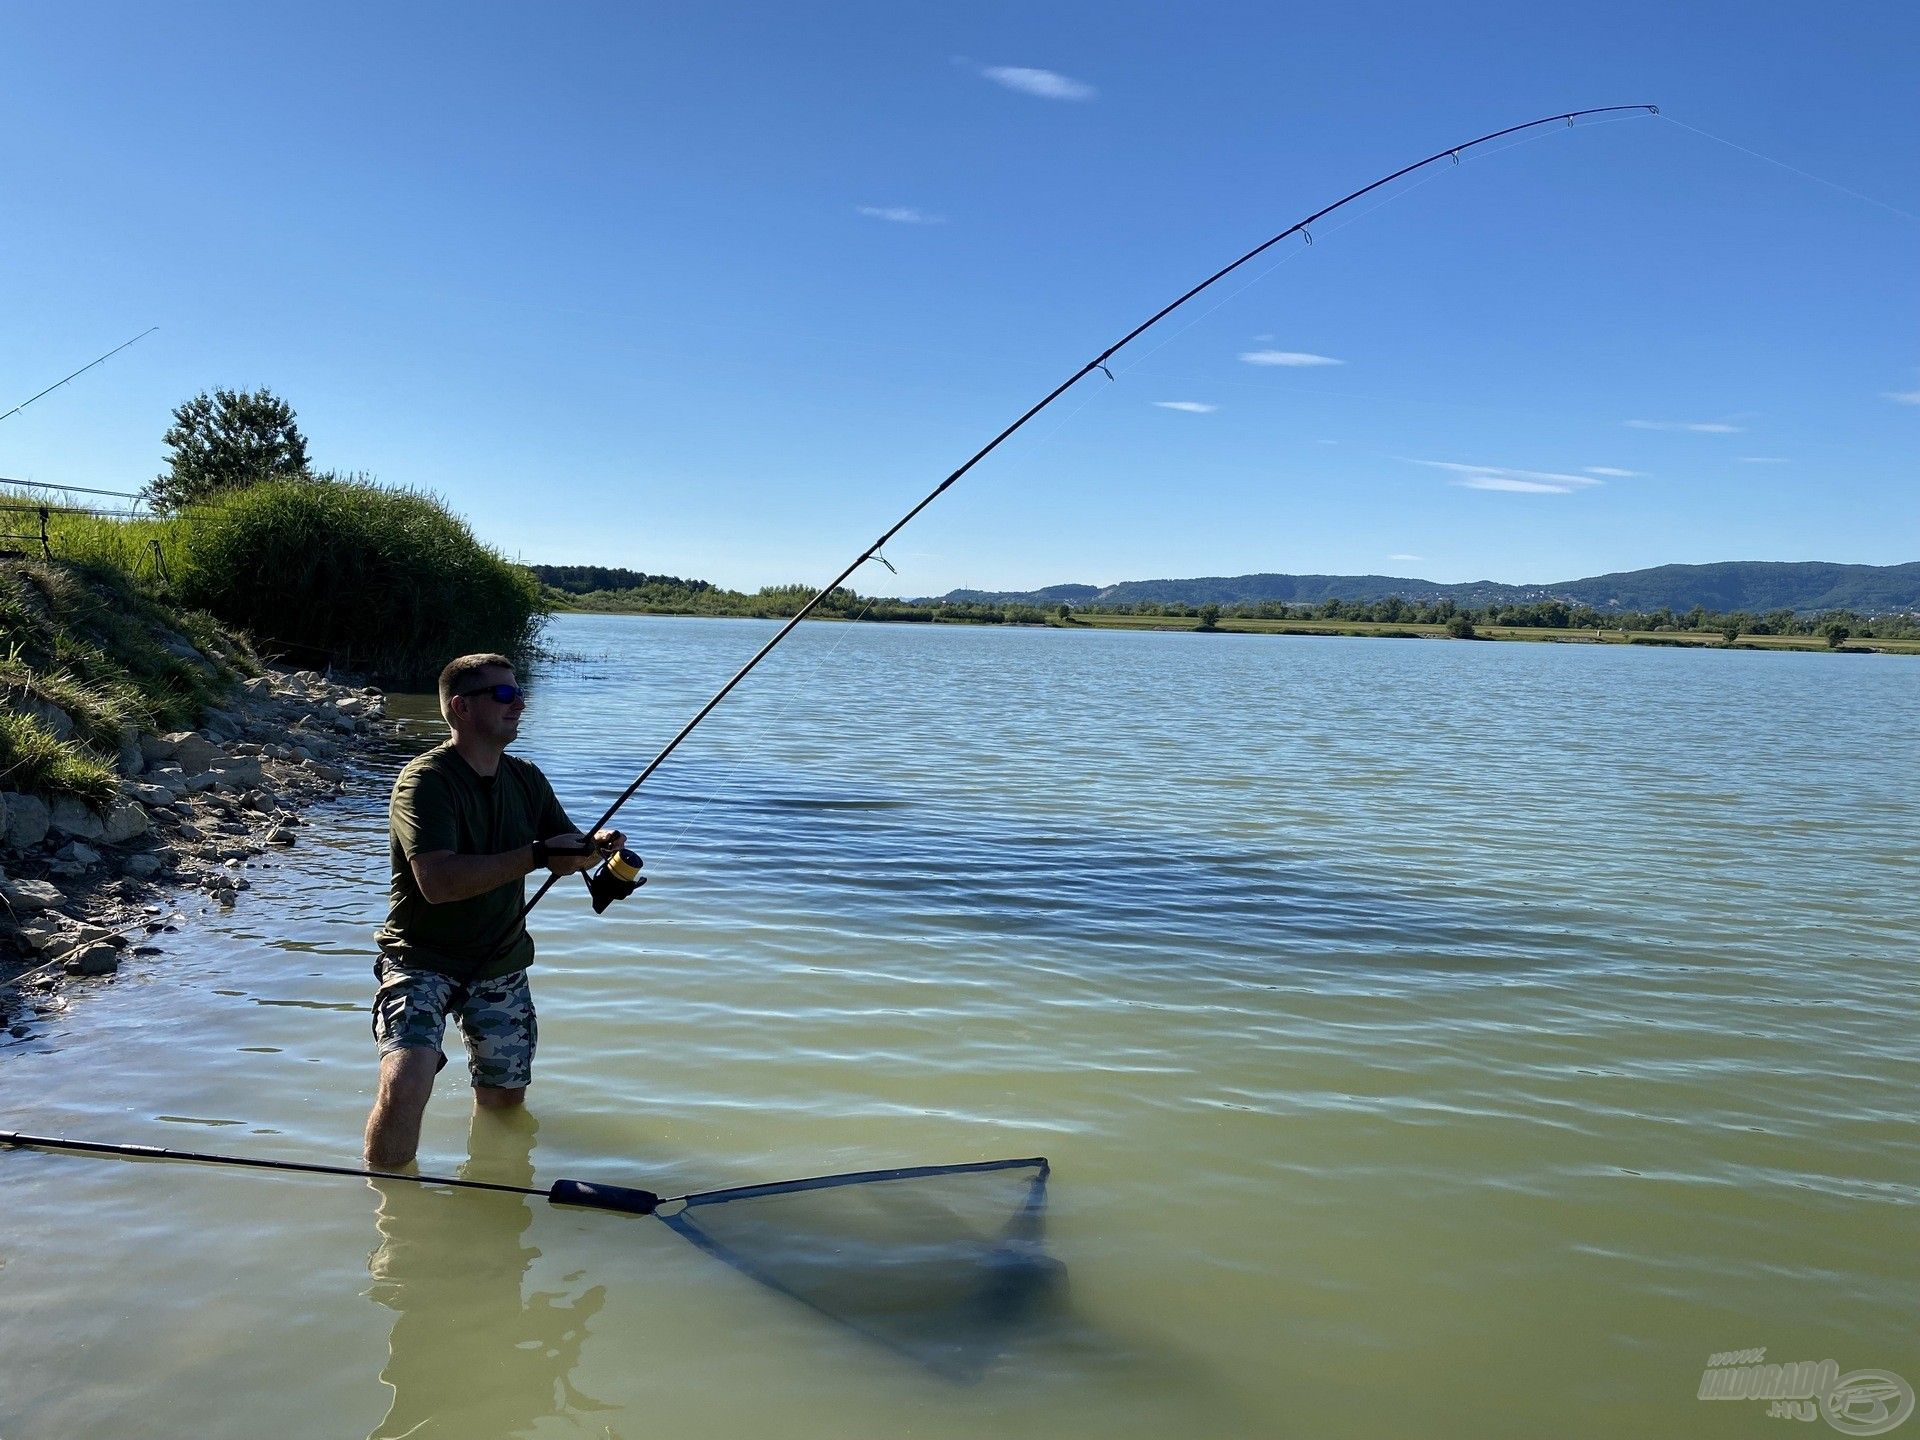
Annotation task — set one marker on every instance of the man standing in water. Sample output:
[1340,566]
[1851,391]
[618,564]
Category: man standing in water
[468,822]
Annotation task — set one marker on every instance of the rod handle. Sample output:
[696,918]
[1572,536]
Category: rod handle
[603,1197]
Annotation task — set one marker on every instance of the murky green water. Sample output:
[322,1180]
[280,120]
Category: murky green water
[1436,1039]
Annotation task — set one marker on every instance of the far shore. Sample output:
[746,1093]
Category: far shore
[1369,629]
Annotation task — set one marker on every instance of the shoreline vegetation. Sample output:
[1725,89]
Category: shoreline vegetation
[584,590]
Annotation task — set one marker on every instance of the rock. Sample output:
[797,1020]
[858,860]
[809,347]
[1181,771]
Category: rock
[156,748]
[280,835]
[28,820]
[66,869]
[194,753]
[131,759]
[350,705]
[238,772]
[178,646]
[101,959]
[72,817]
[261,685]
[158,796]
[42,935]
[78,852]
[47,713]
[203,782]
[146,949]
[142,867]
[123,822]
[29,896]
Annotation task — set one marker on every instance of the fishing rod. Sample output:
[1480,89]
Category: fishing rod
[625,883]
[81,371]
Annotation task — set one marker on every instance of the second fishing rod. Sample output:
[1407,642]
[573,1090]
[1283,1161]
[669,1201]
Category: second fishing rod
[618,875]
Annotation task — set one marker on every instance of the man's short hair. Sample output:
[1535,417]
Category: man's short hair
[459,673]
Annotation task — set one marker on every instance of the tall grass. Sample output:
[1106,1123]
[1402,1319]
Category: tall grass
[82,637]
[342,571]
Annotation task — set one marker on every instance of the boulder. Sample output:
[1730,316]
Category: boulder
[155,795]
[47,713]
[28,819]
[78,852]
[101,959]
[131,759]
[238,772]
[142,867]
[194,753]
[74,818]
[280,835]
[26,897]
[42,935]
[123,822]
[158,747]
[179,646]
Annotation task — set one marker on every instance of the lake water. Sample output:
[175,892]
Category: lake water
[1427,1038]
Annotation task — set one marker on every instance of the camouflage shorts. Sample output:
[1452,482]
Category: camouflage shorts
[495,1016]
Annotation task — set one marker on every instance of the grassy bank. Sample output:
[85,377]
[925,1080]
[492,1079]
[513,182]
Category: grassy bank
[323,571]
[88,661]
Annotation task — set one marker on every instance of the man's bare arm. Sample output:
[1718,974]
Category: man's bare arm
[444,876]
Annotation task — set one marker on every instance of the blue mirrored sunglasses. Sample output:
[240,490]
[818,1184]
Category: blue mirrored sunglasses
[502,694]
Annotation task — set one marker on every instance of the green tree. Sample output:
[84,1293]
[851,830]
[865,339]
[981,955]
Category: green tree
[1062,613]
[1730,631]
[1836,634]
[1460,627]
[1209,617]
[226,441]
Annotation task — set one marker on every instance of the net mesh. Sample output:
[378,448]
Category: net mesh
[945,1265]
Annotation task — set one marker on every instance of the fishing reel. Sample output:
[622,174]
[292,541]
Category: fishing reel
[617,878]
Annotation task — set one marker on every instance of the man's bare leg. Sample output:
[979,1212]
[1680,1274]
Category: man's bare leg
[494,1097]
[393,1129]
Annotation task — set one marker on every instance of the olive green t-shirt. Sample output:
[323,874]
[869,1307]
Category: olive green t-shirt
[441,803]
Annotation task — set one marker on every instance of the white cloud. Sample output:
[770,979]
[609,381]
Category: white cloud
[1522,482]
[1047,84]
[1507,482]
[901,214]
[1702,427]
[1261,339]
[1287,357]
[1764,460]
[1612,474]
[1903,397]
[1406,557]
[1192,407]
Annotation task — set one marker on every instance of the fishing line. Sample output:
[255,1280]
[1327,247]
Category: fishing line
[1804,174]
[1098,362]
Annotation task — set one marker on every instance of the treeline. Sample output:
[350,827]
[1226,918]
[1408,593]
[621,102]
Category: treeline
[585,579]
[1545,615]
[662,595]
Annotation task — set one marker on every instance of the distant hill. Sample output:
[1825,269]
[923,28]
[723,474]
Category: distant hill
[1755,585]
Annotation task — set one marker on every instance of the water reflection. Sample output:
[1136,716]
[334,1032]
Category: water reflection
[470,1353]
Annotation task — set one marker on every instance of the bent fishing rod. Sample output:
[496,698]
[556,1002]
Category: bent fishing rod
[1098,362]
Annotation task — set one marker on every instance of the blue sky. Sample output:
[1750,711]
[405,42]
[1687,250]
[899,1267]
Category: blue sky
[720,290]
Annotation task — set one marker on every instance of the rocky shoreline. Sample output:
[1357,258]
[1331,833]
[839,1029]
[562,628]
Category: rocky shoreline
[80,889]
